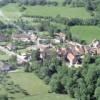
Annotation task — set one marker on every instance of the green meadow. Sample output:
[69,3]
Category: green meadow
[87,33]
[54,11]
[35,87]
[13,10]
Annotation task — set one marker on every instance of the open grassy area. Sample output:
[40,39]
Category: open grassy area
[52,96]
[35,87]
[3,56]
[87,33]
[13,10]
[2,90]
[54,11]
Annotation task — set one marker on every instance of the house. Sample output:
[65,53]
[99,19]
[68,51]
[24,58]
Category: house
[24,37]
[95,44]
[61,36]
[71,58]
[33,37]
[80,49]
[87,49]
[61,52]
[21,37]
[70,55]
[98,51]
[56,41]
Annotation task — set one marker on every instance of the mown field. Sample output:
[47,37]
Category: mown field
[13,10]
[35,87]
[88,33]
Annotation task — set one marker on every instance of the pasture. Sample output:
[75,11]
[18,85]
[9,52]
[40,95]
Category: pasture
[35,87]
[13,11]
[54,11]
[87,33]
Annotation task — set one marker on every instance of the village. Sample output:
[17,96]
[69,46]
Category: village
[49,49]
[71,52]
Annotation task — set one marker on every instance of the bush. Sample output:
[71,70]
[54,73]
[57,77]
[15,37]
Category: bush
[75,21]
[23,8]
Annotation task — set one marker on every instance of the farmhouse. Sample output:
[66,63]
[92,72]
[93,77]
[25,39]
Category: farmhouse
[24,37]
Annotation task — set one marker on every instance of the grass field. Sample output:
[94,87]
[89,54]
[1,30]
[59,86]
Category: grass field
[35,87]
[13,10]
[48,97]
[87,33]
[54,11]
[3,56]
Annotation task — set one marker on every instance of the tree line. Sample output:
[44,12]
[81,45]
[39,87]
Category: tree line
[89,4]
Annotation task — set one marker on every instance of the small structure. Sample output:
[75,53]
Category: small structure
[24,37]
[61,36]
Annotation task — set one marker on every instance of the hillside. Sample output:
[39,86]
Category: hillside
[49,49]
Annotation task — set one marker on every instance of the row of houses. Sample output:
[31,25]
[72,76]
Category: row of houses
[24,37]
[73,53]
[31,37]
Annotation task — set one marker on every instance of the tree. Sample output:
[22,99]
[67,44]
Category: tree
[77,3]
[89,5]
[13,62]
[98,82]
[28,67]
[97,61]
[97,93]
[67,1]
[55,84]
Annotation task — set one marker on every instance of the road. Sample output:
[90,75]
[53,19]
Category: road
[11,53]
